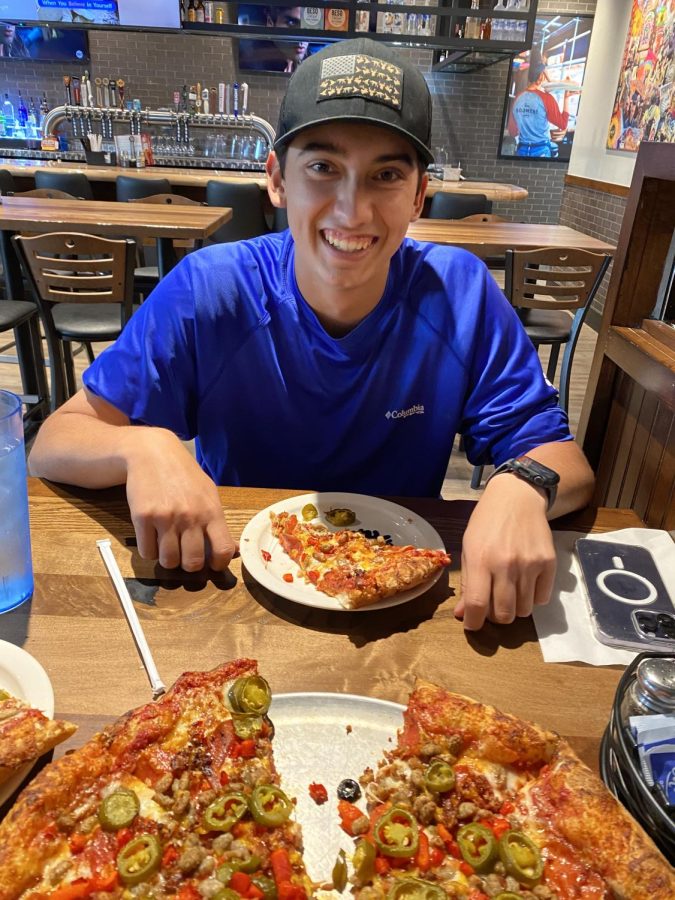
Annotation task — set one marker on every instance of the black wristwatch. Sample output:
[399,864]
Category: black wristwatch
[533,472]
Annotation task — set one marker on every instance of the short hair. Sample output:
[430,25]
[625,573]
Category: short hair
[537,65]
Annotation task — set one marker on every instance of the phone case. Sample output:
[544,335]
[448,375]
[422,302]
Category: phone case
[628,601]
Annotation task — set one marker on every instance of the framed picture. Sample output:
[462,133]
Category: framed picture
[644,108]
[544,88]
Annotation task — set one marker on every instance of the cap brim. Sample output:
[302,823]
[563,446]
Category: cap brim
[421,148]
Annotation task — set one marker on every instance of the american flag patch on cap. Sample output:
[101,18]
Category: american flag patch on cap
[361,76]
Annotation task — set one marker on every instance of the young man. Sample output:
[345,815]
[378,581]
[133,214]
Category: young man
[337,356]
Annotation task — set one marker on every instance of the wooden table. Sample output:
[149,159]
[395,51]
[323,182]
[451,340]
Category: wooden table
[495,238]
[75,627]
[197,178]
[137,220]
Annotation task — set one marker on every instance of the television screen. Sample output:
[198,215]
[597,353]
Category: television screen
[132,13]
[276,55]
[43,43]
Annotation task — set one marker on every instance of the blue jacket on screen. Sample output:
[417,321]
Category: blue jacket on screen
[226,350]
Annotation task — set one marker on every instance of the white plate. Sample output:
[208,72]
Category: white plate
[23,677]
[312,744]
[373,514]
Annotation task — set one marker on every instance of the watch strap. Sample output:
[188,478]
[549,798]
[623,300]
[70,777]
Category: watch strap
[526,468]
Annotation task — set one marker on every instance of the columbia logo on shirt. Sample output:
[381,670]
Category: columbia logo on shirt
[416,410]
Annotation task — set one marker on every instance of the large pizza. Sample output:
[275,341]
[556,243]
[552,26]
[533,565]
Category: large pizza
[180,800]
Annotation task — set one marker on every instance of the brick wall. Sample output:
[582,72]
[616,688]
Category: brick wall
[596,213]
[467,108]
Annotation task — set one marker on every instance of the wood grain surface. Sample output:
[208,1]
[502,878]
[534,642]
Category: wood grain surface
[75,627]
[137,220]
[495,238]
[197,178]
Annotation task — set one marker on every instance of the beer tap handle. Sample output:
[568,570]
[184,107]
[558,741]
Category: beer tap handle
[227,99]
[120,88]
[244,99]
[106,92]
[235,98]
[221,98]
[76,91]
[67,80]
[205,101]
[99,93]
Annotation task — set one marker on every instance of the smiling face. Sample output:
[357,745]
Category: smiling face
[350,192]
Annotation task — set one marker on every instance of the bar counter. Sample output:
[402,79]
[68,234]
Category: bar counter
[195,179]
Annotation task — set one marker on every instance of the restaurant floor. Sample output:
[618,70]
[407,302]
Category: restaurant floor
[457,481]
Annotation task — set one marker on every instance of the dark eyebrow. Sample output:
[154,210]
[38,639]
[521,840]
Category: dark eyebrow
[329,147]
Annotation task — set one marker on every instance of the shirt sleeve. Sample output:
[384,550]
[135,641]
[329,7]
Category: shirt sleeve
[510,407]
[553,114]
[149,372]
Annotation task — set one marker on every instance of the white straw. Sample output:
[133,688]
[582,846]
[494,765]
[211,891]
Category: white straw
[156,682]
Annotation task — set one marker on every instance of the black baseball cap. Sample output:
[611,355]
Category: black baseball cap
[359,80]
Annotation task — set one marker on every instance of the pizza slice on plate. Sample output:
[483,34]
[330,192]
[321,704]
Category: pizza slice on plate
[26,734]
[477,804]
[355,569]
[177,799]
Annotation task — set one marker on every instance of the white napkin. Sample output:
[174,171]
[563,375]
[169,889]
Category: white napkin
[564,626]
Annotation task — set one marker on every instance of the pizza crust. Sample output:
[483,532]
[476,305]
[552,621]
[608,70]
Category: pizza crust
[26,734]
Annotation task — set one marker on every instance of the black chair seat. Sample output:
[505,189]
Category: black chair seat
[15,312]
[546,326]
[88,321]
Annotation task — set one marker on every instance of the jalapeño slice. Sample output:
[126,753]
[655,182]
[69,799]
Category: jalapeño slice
[118,809]
[226,894]
[246,725]
[364,860]
[266,885]
[269,805]
[521,858]
[339,873]
[415,889]
[439,777]
[225,811]
[139,859]
[396,834]
[250,694]
[478,846]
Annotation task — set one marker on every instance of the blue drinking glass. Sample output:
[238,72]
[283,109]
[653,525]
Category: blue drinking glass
[16,568]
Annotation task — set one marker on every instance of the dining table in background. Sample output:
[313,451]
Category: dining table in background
[495,238]
[74,624]
[40,215]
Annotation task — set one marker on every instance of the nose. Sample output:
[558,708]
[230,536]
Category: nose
[353,204]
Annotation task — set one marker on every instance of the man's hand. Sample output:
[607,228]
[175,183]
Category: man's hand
[175,507]
[508,556]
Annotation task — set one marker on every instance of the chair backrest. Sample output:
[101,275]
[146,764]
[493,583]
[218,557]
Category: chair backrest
[248,216]
[6,182]
[129,188]
[167,199]
[66,267]
[552,278]
[279,219]
[484,217]
[457,205]
[46,193]
[74,183]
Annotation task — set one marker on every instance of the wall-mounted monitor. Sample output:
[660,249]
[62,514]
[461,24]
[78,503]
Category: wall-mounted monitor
[282,55]
[95,13]
[42,43]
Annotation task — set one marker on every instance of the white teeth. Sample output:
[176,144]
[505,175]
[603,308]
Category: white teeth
[348,245]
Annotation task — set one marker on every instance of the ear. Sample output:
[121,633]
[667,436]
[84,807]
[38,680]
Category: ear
[419,199]
[276,187]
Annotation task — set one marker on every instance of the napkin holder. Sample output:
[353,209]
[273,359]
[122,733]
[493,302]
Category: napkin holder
[100,157]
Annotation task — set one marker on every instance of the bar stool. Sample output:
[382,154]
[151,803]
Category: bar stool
[71,182]
[6,182]
[248,216]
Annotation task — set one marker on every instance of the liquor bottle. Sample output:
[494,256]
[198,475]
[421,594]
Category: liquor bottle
[183,10]
[44,106]
[220,15]
[199,11]
[2,124]
[208,12]
[22,112]
[362,18]
[486,29]
[472,27]
[191,12]
[33,120]
[10,120]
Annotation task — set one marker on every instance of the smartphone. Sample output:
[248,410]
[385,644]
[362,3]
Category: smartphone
[628,601]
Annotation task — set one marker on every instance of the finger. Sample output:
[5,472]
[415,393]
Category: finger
[192,549]
[544,586]
[169,549]
[477,584]
[146,539]
[221,545]
[503,603]
[525,594]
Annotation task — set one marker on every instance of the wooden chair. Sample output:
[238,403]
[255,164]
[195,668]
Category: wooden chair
[484,217]
[545,286]
[47,193]
[150,274]
[83,287]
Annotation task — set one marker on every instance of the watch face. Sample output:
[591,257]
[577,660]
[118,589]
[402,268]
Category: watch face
[537,472]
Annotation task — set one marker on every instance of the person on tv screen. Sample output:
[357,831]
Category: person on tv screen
[336,355]
[273,56]
[535,112]
[11,45]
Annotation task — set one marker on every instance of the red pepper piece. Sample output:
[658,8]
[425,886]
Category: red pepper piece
[422,859]
[240,882]
[287,577]
[348,815]
[281,866]
[265,555]
[318,793]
